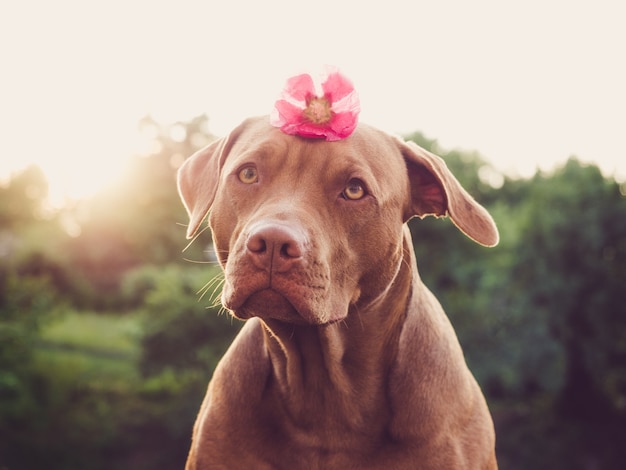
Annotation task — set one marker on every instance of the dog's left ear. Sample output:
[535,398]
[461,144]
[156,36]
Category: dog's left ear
[197,183]
[435,191]
[199,176]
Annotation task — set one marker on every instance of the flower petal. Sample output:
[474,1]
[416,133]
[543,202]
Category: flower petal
[299,87]
[285,112]
[336,86]
[307,130]
[348,104]
[341,126]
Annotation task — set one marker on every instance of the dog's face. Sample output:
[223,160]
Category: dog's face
[304,229]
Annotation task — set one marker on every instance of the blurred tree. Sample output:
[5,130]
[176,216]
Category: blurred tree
[22,199]
[572,265]
[151,186]
[51,417]
[26,302]
[141,219]
[180,306]
[31,235]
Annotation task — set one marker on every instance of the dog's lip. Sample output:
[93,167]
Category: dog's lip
[302,294]
[276,299]
[269,299]
[270,303]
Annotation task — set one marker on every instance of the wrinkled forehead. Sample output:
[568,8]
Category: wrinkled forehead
[367,147]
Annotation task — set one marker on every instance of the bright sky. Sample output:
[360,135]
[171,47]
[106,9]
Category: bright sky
[526,84]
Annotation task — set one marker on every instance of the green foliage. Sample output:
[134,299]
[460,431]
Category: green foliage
[175,314]
[573,266]
[121,390]
[25,303]
[82,388]
[108,335]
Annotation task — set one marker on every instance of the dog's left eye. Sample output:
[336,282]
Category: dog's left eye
[354,190]
[248,175]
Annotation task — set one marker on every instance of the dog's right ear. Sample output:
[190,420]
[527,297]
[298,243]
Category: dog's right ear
[198,178]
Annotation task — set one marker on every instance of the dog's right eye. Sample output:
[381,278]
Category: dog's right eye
[354,190]
[248,175]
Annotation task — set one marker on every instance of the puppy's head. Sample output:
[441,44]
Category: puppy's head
[304,229]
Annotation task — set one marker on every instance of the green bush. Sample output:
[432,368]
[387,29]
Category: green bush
[184,328]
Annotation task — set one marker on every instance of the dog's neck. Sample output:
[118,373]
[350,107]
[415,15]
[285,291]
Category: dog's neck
[341,366]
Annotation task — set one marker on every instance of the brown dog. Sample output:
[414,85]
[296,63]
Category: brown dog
[347,360]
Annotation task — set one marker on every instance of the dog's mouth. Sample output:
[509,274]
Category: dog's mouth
[301,295]
[269,303]
[288,303]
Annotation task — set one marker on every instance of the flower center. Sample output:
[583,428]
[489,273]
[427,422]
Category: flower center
[318,110]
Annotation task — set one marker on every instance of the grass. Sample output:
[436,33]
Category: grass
[90,330]
[91,347]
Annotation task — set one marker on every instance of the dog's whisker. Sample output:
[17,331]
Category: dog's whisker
[194,261]
[205,287]
[195,237]
[216,282]
[215,297]
[217,302]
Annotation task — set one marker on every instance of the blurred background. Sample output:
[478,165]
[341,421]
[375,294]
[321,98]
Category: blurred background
[110,325]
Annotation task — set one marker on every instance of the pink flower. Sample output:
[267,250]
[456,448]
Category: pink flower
[332,116]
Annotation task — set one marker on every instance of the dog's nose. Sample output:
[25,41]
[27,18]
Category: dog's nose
[275,246]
